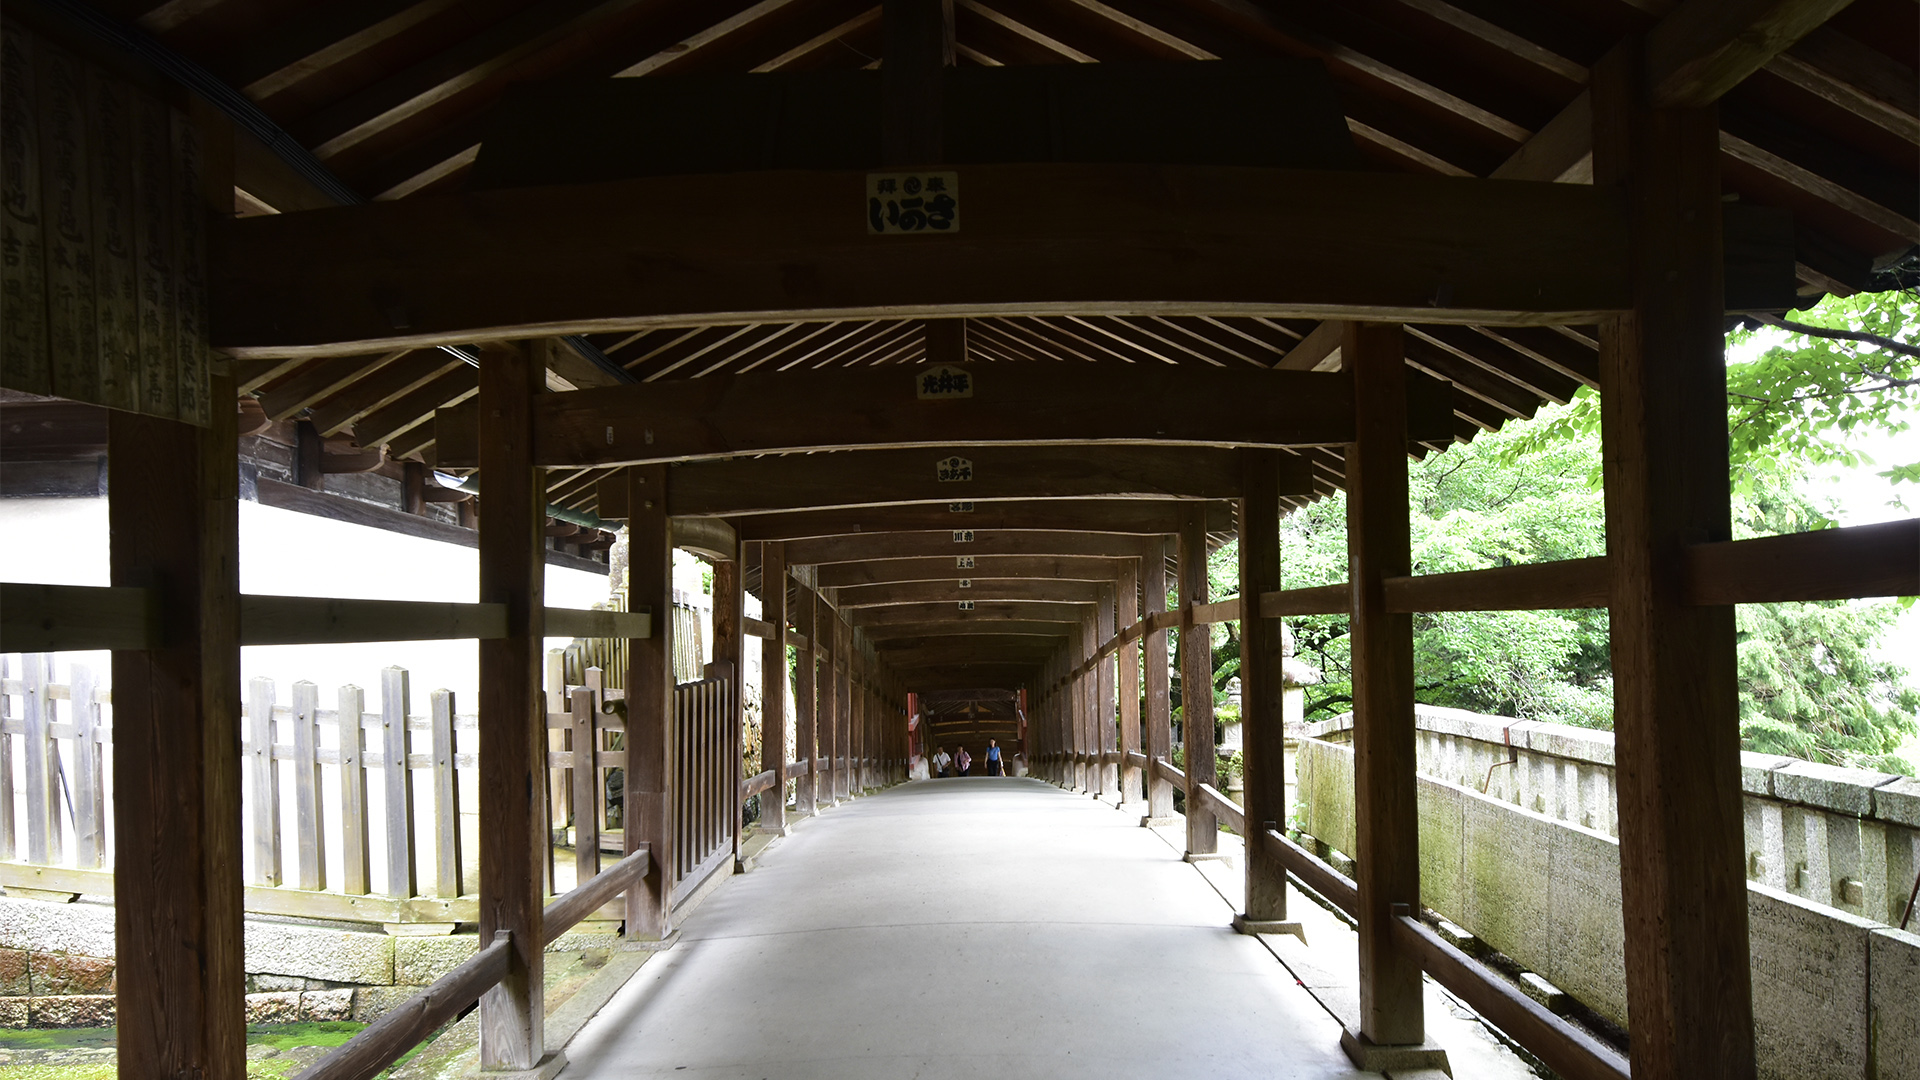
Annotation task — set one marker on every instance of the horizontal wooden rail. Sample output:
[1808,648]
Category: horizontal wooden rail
[797,640]
[757,628]
[587,897]
[1219,611]
[382,1042]
[316,620]
[1162,620]
[1224,808]
[796,769]
[586,623]
[756,784]
[1548,586]
[60,618]
[1568,1051]
[1338,888]
[1136,760]
[1314,600]
[1829,564]
[1165,770]
[64,618]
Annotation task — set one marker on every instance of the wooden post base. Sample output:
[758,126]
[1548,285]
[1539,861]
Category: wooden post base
[1158,822]
[1244,925]
[548,1068]
[1368,1056]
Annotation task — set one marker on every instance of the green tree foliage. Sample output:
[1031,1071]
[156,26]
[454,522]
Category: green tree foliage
[1809,685]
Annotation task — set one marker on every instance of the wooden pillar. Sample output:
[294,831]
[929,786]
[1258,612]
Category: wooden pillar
[1386,818]
[806,739]
[1084,773]
[1262,689]
[174,520]
[513,722]
[649,792]
[828,722]
[729,662]
[1126,613]
[773,684]
[842,707]
[857,706]
[1676,710]
[1106,731]
[1159,733]
[917,42]
[1196,685]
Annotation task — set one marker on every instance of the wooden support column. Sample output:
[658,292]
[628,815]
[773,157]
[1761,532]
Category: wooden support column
[1126,613]
[1196,686]
[513,722]
[857,705]
[806,740]
[729,662]
[1676,711]
[1262,690]
[1386,819]
[842,708]
[649,792]
[1085,774]
[827,623]
[918,47]
[1159,733]
[174,521]
[773,684]
[1106,732]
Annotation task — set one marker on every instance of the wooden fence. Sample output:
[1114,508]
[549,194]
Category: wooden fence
[344,806]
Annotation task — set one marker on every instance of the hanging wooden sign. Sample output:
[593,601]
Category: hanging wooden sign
[908,203]
[953,470]
[103,277]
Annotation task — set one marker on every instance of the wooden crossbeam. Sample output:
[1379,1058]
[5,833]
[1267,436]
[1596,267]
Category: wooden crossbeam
[1090,515]
[934,568]
[893,408]
[879,633]
[933,592]
[881,477]
[832,550]
[687,249]
[990,612]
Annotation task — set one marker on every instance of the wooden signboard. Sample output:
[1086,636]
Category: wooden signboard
[103,282]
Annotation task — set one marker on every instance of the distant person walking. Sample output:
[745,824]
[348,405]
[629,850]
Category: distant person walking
[963,761]
[942,764]
[994,766]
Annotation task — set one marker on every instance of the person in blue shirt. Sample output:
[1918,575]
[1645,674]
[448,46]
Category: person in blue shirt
[994,767]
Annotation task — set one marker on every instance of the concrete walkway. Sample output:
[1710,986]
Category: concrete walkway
[964,928]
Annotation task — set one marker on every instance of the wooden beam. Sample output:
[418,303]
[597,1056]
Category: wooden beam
[1831,564]
[686,249]
[174,521]
[884,408]
[880,633]
[1196,686]
[1386,815]
[1676,706]
[1705,48]
[918,48]
[512,726]
[1313,600]
[991,611]
[1158,739]
[1569,583]
[981,591]
[773,683]
[60,618]
[1262,686]
[934,568]
[864,547]
[980,473]
[1318,351]
[1122,516]
[1219,611]
[649,704]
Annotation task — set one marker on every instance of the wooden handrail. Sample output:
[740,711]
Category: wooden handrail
[1165,770]
[1136,759]
[756,784]
[1338,888]
[796,769]
[1224,808]
[56,618]
[314,620]
[1549,586]
[382,1042]
[1830,564]
[1314,600]
[1565,1049]
[1219,611]
[586,898]
[587,623]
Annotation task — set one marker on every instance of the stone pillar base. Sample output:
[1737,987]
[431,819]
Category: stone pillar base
[1156,822]
[1369,1056]
[1269,926]
[1208,856]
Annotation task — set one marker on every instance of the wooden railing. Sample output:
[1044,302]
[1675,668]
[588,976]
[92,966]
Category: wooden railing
[705,791]
[382,1042]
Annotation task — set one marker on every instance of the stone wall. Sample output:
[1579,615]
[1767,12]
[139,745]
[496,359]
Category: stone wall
[1845,838]
[1834,993]
[57,966]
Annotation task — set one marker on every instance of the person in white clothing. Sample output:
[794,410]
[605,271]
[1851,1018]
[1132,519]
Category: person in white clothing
[942,764]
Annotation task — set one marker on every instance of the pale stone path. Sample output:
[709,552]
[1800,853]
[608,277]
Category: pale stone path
[964,928]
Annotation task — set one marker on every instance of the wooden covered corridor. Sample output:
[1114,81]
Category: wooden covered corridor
[958,332]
